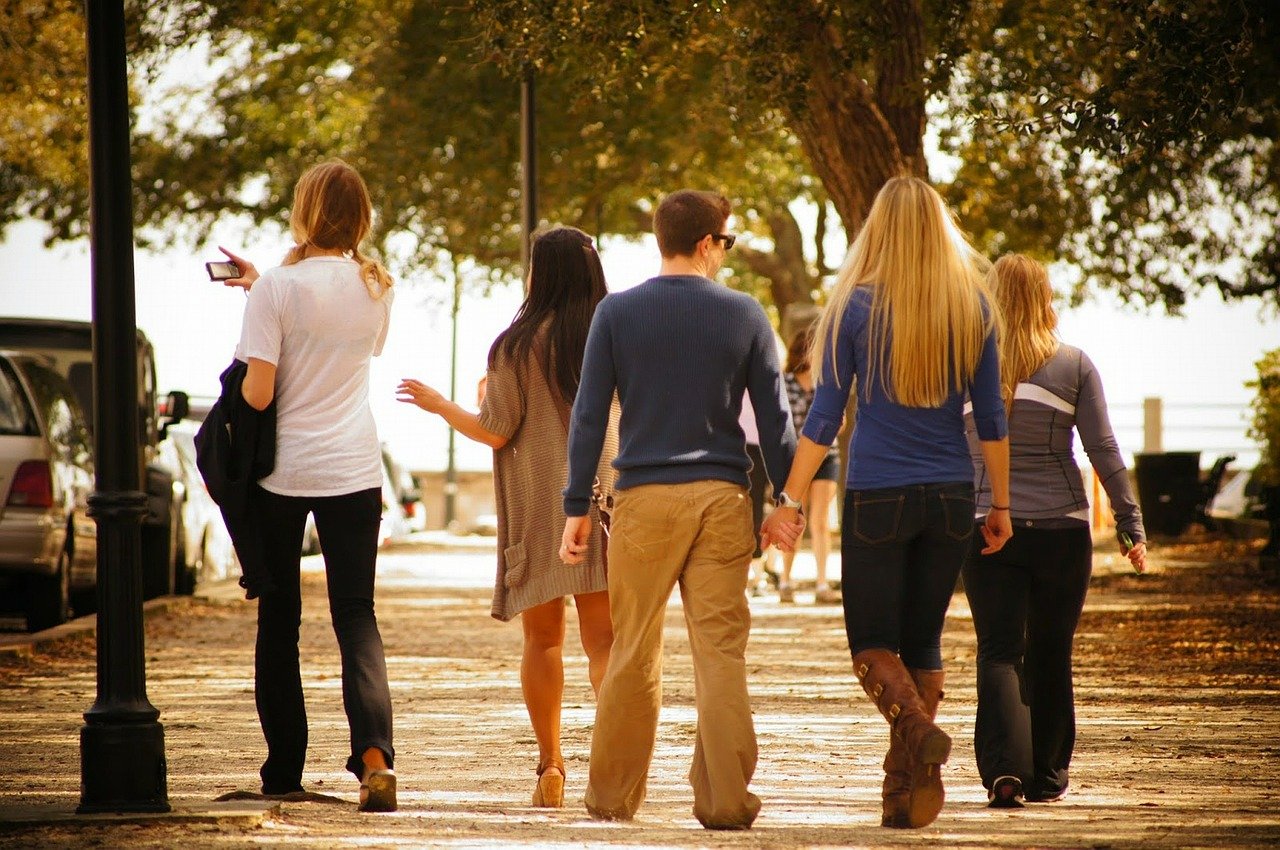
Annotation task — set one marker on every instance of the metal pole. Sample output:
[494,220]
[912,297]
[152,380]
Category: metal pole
[122,764]
[451,471]
[528,168]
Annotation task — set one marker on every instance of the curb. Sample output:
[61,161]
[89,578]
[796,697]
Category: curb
[24,645]
[241,812]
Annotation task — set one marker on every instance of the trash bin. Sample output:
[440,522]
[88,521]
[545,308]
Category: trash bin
[1168,490]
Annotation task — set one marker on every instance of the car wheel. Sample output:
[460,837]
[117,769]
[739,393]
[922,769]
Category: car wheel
[49,597]
[189,573]
[159,556]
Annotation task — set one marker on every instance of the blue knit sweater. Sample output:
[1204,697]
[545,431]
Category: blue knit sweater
[679,350]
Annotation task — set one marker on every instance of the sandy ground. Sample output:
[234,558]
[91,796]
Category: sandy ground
[1178,700]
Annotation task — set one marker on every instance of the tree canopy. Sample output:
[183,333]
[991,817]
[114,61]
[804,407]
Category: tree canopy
[1134,139]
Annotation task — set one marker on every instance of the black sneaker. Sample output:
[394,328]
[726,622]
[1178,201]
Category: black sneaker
[1047,796]
[1005,793]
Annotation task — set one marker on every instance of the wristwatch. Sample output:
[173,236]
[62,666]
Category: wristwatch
[782,500]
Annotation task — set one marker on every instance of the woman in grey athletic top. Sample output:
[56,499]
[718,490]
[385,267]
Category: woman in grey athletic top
[1027,597]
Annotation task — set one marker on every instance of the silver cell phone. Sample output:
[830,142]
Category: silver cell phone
[219,270]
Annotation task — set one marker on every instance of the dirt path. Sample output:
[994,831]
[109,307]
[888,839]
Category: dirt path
[1178,690]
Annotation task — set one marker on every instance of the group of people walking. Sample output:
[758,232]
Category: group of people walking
[622,471]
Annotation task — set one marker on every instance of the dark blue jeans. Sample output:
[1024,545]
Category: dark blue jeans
[1026,601]
[348,529]
[901,550]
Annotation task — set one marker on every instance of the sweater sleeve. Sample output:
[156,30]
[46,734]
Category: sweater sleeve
[989,417]
[768,398]
[503,408]
[831,395]
[590,417]
[1100,445]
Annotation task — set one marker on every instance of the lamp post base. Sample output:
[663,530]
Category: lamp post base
[122,768]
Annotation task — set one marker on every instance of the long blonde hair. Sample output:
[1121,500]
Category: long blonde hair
[928,320]
[1022,292]
[332,210]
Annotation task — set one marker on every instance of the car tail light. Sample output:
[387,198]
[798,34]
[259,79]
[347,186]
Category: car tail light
[411,509]
[32,485]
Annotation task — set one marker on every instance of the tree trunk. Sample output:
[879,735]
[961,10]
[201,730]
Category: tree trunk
[790,279]
[857,137]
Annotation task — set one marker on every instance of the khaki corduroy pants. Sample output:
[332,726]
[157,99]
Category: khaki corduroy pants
[700,536]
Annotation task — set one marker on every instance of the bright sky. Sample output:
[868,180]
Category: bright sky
[1198,363]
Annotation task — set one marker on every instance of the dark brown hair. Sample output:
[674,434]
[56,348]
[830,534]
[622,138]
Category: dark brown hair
[798,351]
[566,283]
[685,218]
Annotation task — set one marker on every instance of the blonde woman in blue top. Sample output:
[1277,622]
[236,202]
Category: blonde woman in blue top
[909,324]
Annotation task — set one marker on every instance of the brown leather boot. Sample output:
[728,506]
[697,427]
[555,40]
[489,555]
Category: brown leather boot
[925,746]
[897,799]
[926,796]
[895,794]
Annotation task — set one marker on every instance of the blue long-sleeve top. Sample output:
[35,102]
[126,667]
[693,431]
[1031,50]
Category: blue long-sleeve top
[894,445]
[679,350]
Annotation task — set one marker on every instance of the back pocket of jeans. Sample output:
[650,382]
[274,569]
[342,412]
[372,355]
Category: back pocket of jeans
[958,511]
[875,520]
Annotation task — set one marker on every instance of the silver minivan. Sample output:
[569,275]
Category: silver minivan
[48,543]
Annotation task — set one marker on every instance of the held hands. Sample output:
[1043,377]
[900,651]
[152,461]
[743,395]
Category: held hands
[782,528]
[412,391]
[1137,555]
[248,271]
[573,544]
[996,531]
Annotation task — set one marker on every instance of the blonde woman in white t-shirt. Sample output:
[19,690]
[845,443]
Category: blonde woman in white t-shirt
[310,327]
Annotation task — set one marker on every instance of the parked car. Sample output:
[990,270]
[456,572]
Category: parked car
[67,347]
[407,492]
[48,543]
[205,551]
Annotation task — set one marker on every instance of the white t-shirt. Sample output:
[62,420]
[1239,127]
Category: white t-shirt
[317,323]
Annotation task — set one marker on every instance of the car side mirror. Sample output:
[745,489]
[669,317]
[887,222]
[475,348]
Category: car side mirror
[177,406]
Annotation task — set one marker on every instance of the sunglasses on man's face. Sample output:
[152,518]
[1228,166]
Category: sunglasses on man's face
[727,238]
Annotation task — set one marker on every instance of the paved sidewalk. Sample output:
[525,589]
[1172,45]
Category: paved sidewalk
[1178,701]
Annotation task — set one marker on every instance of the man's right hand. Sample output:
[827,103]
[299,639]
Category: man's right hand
[573,543]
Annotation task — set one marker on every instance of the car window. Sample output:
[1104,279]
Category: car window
[16,416]
[62,414]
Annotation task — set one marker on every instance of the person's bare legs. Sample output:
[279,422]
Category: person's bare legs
[786,590]
[595,628]
[542,677]
[821,494]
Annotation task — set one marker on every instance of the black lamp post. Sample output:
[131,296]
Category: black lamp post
[451,470]
[122,764]
[528,168]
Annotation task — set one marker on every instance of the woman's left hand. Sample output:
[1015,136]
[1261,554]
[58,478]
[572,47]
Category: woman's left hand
[996,531]
[412,391]
[1137,556]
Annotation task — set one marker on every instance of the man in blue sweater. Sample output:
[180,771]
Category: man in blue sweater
[679,350]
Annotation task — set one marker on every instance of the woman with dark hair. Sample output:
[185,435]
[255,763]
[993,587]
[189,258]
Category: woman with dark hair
[798,377]
[534,369]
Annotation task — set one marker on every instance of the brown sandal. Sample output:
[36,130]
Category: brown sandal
[549,792]
[378,791]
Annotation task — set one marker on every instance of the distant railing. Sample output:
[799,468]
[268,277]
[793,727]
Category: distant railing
[1211,428]
[1154,425]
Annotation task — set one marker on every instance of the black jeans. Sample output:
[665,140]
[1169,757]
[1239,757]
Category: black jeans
[348,529]
[901,550]
[1026,601]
